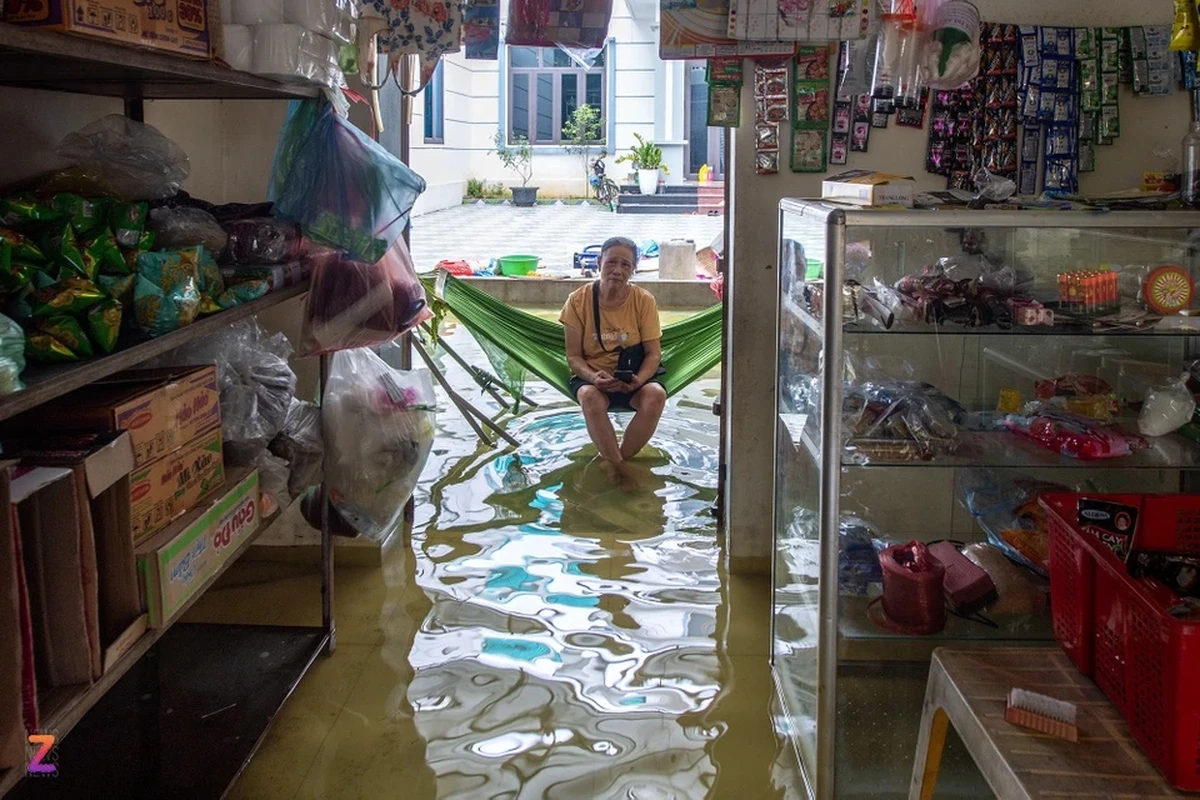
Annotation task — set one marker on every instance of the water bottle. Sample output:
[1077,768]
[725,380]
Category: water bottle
[1190,178]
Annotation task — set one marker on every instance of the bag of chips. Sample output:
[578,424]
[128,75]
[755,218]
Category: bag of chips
[166,291]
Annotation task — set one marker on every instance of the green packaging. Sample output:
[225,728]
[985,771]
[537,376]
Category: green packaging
[70,296]
[243,292]
[85,216]
[63,250]
[67,330]
[24,211]
[104,324]
[45,349]
[118,287]
[101,254]
[22,248]
[128,222]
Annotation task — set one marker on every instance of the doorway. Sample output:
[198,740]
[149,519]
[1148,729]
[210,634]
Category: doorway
[705,145]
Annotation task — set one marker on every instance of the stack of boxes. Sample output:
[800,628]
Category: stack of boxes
[289,40]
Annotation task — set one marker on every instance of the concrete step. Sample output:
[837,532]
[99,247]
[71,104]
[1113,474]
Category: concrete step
[689,208]
[685,188]
[657,199]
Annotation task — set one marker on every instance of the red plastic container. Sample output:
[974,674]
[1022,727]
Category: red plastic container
[1117,629]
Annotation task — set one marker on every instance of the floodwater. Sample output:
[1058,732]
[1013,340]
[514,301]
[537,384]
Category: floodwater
[548,635]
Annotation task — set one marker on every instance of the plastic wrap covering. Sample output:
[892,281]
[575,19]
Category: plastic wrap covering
[355,304]
[12,356]
[899,421]
[1167,408]
[273,483]
[301,445]
[858,557]
[237,49]
[256,12]
[263,240]
[332,18]
[343,188]
[132,160]
[379,428]
[183,226]
[1005,506]
[292,53]
[1074,435]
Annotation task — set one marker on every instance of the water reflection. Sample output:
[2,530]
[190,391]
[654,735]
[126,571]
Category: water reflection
[571,648]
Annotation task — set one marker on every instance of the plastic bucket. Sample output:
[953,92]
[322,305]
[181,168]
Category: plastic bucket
[518,265]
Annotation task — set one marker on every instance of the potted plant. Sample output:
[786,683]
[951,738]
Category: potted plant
[647,159]
[519,158]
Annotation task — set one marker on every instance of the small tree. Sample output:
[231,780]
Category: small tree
[584,130]
[517,157]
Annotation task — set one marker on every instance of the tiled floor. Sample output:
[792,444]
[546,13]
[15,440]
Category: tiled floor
[541,634]
[478,233]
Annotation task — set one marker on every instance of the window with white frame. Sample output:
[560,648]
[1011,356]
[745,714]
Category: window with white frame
[435,106]
[545,86]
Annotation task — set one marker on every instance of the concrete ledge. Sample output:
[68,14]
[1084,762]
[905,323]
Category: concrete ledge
[553,292]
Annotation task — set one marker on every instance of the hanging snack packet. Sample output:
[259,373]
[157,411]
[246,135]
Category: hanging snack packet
[45,349]
[70,296]
[66,330]
[166,294]
[102,255]
[104,324]
[86,216]
[128,222]
[60,246]
[118,287]
[22,248]
[24,211]
[1183,30]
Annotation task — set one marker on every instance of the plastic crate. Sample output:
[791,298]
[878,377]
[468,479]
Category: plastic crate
[1117,629]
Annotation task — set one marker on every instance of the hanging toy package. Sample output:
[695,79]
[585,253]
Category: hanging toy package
[952,52]
[379,428]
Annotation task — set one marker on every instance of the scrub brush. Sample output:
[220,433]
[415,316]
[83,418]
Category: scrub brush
[1042,713]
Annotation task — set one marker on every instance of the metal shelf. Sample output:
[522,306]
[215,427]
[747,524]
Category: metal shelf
[36,59]
[47,383]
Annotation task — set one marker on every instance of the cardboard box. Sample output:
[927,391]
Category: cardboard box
[866,188]
[112,601]
[51,551]
[175,564]
[14,635]
[161,408]
[162,490]
[179,26]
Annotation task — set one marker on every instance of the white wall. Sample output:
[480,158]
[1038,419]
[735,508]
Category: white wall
[1146,124]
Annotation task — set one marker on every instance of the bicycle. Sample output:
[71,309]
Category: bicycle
[606,188]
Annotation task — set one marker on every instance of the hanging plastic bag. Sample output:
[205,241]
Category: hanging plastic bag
[343,188]
[272,482]
[131,159]
[358,304]
[379,427]
[1167,408]
[301,445]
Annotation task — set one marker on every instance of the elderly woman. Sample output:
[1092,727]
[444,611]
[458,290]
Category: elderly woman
[614,350]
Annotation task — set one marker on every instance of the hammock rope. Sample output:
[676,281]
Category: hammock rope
[516,341]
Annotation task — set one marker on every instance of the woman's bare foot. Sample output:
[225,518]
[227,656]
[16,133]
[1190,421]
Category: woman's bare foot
[613,471]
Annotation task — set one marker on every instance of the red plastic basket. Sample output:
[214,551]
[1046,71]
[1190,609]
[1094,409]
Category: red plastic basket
[1117,629]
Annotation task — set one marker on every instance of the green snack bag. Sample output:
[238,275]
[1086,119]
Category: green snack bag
[24,211]
[166,293]
[43,278]
[45,349]
[70,296]
[66,329]
[211,282]
[128,221]
[104,324]
[61,247]
[19,305]
[103,255]
[85,216]
[21,247]
[15,276]
[243,292]
[118,287]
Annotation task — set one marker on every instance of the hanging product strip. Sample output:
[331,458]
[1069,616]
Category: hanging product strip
[771,99]
[810,120]
[724,77]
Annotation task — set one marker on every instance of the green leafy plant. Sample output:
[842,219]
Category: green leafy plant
[478,189]
[517,156]
[581,132]
[645,155]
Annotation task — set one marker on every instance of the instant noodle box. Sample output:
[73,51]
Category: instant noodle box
[164,489]
[175,564]
[180,26]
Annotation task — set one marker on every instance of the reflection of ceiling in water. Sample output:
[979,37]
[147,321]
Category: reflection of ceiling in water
[570,650]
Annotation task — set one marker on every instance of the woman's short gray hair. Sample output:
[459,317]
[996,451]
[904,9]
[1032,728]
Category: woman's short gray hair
[619,241]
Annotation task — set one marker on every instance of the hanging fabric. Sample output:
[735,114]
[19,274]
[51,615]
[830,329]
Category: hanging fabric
[428,28]
[562,23]
[481,29]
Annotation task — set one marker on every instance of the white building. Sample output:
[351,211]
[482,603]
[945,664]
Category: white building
[531,91]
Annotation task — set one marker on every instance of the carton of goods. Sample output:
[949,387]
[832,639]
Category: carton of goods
[161,408]
[865,188]
[162,490]
[112,602]
[173,565]
[179,26]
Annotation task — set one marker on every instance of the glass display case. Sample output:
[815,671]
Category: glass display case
[936,369]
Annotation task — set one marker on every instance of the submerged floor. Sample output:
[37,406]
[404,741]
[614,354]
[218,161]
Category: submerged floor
[540,635]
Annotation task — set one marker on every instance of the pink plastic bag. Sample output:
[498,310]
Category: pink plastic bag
[353,304]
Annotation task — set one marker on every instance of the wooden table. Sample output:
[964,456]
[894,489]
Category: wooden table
[968,688]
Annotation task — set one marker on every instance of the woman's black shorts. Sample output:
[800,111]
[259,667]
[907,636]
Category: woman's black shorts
[617,401]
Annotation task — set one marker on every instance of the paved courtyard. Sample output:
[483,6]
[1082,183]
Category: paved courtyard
[478,233]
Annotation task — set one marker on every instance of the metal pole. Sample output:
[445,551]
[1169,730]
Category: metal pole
[327,621]
[406,114]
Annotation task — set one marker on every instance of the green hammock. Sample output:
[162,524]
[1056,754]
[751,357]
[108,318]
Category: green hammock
[516,341]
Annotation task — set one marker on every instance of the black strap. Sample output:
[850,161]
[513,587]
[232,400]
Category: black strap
[596,315]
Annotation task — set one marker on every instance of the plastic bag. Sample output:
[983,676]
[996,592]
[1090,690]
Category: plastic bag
[181,227]
[12,356]
[132,159]
[379,427]
[1005,507]
[345,189]
[357,304]
[263,240]
[858,557]
[899,421]
[166,291]
[272,483]
[1167,408]
[1018,594]
[952,52]
[300,444]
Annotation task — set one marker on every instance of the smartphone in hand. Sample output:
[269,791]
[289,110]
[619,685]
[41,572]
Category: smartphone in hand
[624,375]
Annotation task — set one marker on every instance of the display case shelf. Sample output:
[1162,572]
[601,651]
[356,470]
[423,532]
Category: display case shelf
[36,59]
